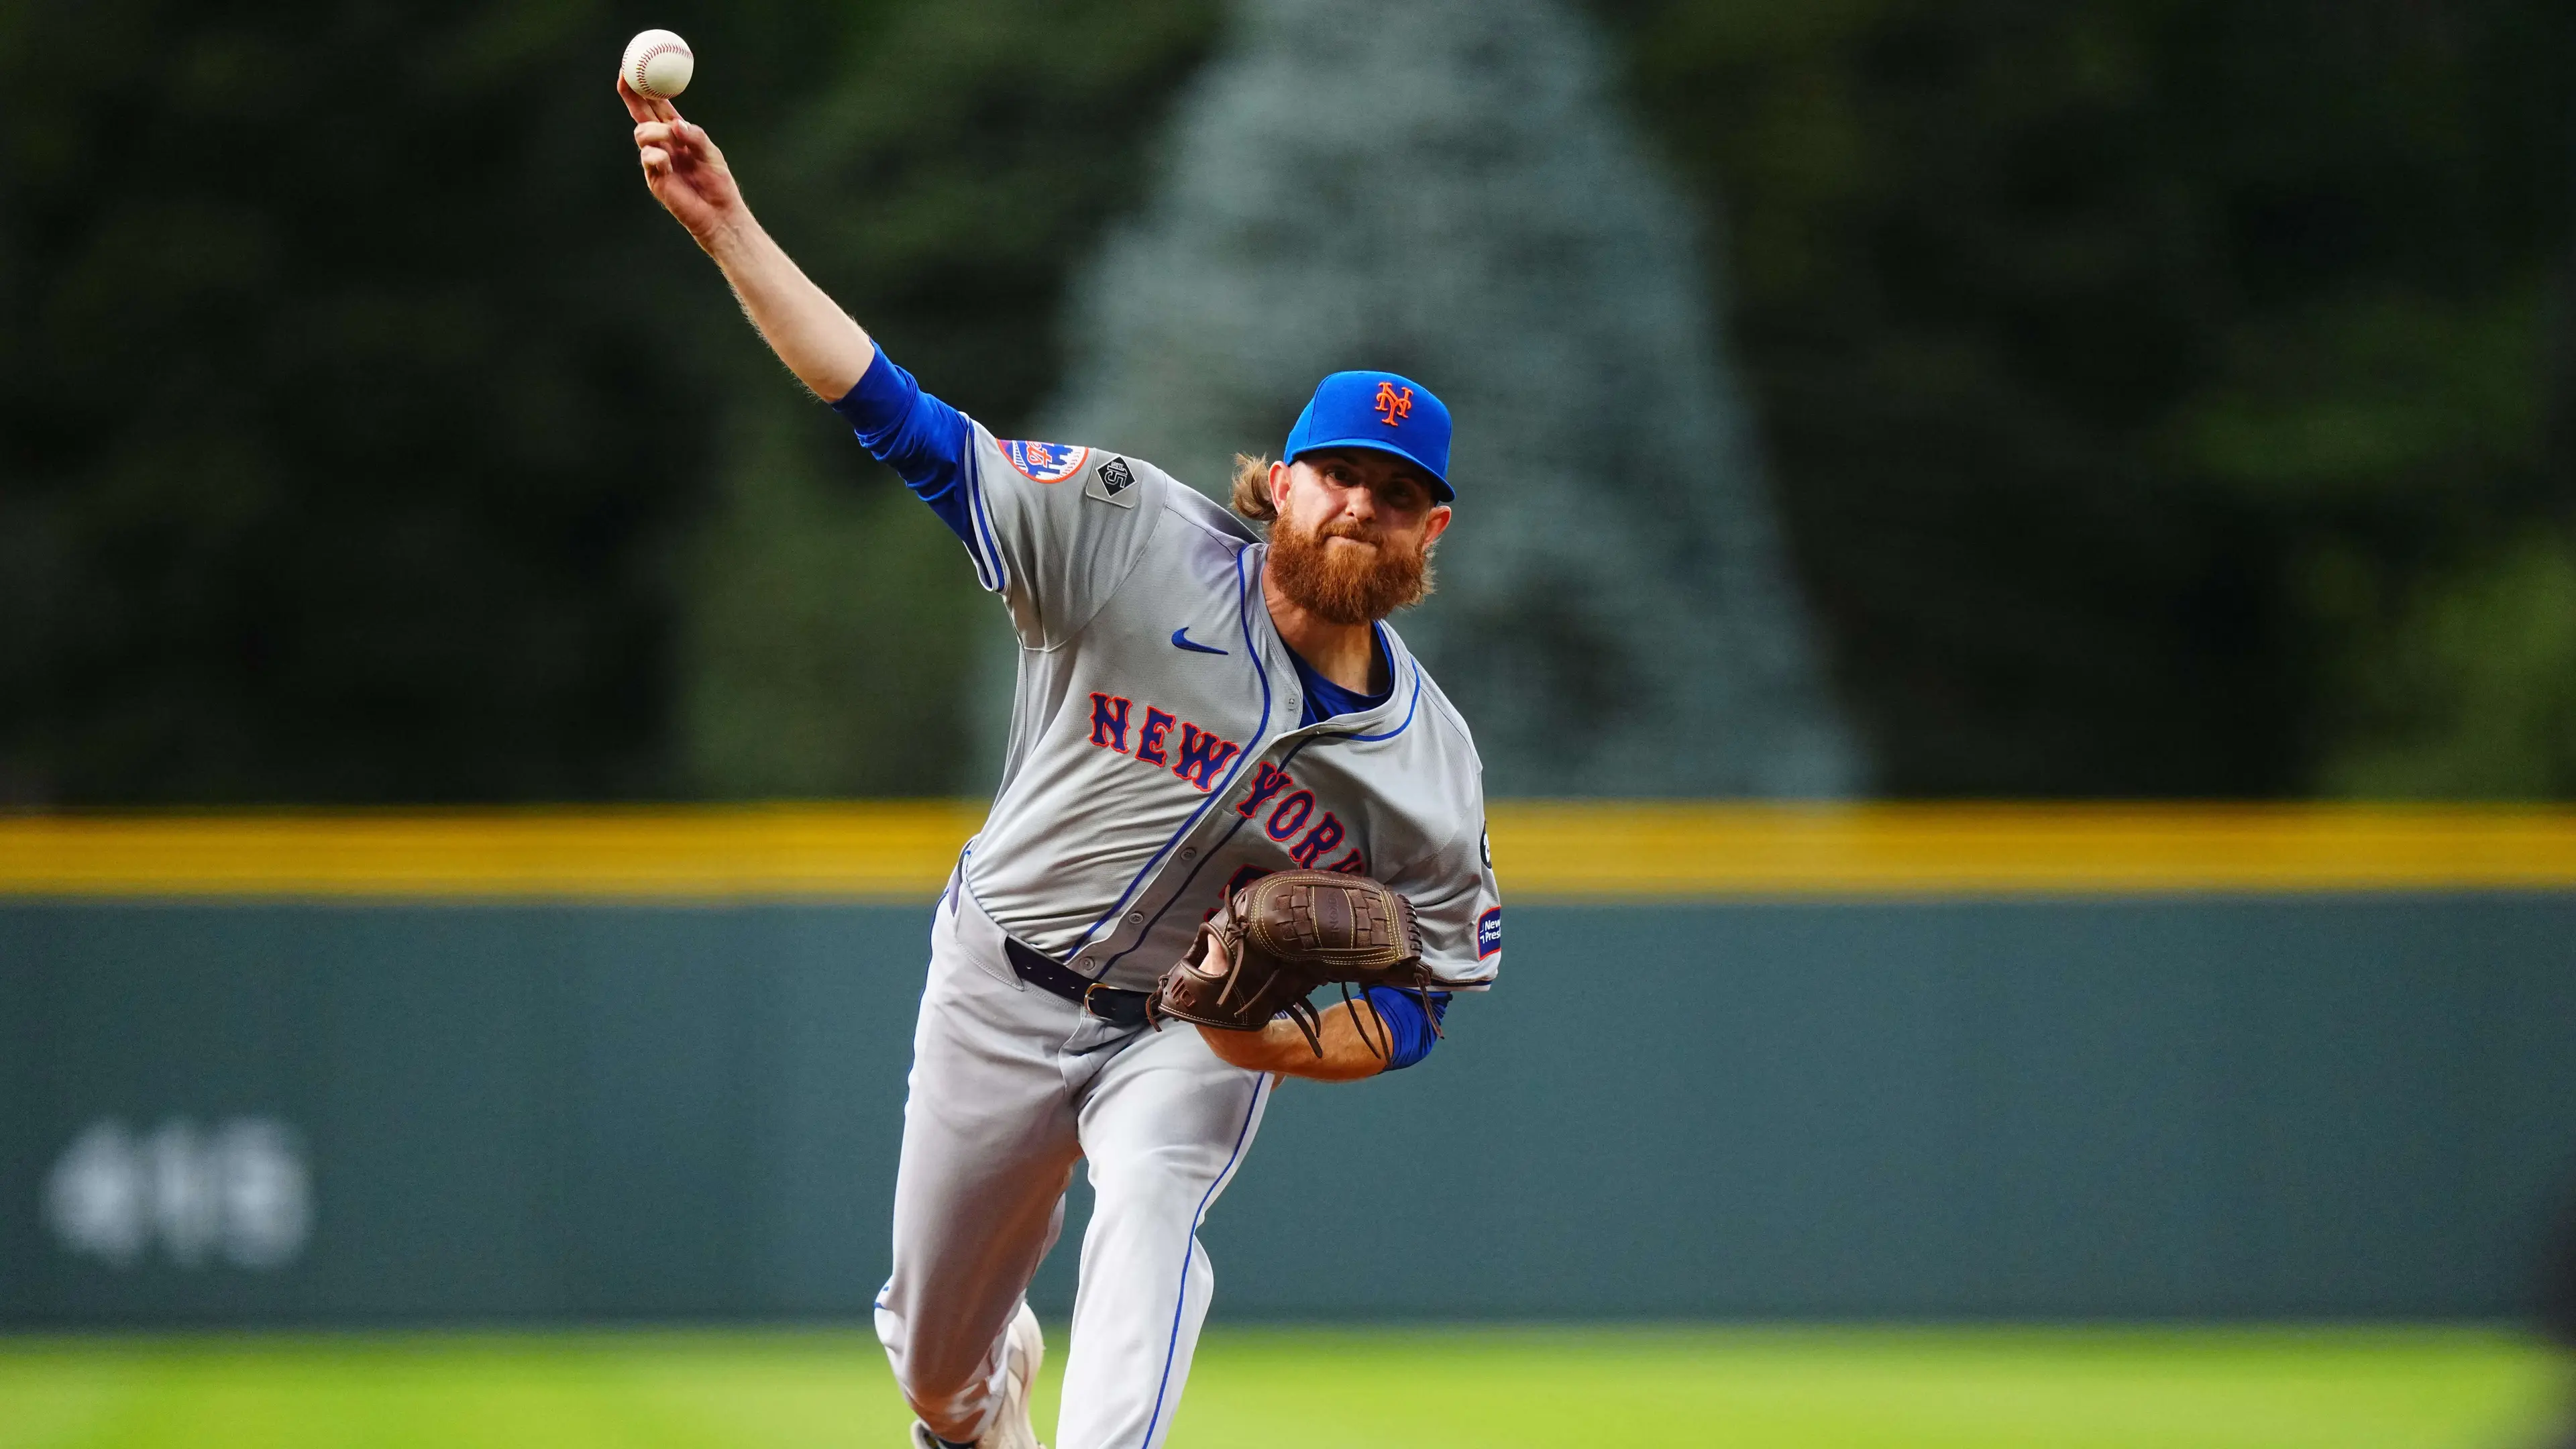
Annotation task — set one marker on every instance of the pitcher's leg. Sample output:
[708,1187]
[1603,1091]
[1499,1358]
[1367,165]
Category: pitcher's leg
[989,1143]
[1165,1128]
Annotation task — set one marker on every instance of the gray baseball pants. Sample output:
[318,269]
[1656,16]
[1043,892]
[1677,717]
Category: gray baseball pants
[1011,1086]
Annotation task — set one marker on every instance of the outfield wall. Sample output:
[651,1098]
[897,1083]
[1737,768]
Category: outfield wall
[2036,1064]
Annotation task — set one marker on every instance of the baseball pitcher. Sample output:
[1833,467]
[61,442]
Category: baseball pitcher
[1229,785]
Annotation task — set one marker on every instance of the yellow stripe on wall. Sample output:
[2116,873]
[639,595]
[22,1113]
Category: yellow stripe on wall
[1575,851]
[1545,851]
[886,851]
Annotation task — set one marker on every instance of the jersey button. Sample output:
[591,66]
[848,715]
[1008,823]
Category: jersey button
[1135,918]
[1188,852]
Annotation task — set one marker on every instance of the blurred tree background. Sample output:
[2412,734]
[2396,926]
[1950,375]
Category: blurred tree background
[2171,395]
[2165,398]
[367,433]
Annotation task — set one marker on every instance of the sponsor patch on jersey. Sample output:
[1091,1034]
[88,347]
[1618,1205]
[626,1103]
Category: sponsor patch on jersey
[1112,482]
[1489,933]
[1045,462]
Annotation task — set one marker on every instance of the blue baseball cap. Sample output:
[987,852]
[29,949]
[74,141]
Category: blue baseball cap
[1378,410]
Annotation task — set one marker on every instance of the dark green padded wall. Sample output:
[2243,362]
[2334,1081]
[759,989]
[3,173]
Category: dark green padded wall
[2251,1107]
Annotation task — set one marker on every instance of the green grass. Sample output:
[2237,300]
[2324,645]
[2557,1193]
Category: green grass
[1490,1388]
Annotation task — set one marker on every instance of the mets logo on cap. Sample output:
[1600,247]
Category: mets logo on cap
[1045,462]
[1385,411]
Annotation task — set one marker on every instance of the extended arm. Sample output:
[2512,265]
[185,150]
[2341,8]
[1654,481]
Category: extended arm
[923,438]
[802,324]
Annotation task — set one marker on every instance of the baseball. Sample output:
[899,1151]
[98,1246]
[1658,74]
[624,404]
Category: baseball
[658,64]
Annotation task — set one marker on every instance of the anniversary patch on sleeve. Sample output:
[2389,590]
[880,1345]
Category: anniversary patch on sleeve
[1113,482]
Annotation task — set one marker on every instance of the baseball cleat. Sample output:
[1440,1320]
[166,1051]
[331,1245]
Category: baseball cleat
[1026,1350]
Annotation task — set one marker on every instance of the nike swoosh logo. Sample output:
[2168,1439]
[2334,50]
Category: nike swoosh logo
[1181,638]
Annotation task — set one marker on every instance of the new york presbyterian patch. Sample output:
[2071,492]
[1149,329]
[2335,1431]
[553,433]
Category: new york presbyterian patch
[1045,462]
[1112,482]
[1489,933]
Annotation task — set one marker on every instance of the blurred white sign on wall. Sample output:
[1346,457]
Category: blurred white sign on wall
[241,1192]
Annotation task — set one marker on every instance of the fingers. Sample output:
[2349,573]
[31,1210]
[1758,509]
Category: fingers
[636,106]
[654,145]
[663,145]
[643,107]
[677,138]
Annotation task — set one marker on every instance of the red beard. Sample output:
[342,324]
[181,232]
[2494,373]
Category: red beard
[1346,586]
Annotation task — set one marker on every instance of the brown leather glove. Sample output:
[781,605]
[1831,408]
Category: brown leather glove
[1279,938]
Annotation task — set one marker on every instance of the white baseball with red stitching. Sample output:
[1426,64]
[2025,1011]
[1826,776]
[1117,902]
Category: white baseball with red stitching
[659,64]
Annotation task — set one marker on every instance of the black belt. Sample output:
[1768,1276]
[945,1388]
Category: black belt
[1109,1003]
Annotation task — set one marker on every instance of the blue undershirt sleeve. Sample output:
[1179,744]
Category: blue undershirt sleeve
[1405,1021]
[923,439]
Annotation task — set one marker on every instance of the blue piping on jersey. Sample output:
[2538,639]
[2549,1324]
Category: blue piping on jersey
[1412,704]
[1327,701]
[997,577]
[1409,707]
[1172,1348]
[1243,617]
[1391,1004]
[1209,854]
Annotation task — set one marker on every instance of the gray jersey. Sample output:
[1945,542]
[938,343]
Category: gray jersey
[1156,759]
